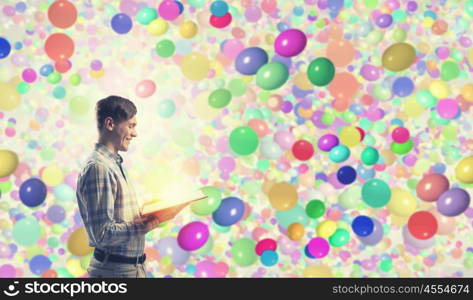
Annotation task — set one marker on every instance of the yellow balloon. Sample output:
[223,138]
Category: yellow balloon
[73,266]
[8,162]
[10,98]
[402,203]
[282,196]
[318,271]
[467,92]
[439,89]
[158,27]
[195,66]
[398,57]
[302,82]
[470,56]
[464,170]
[326,228]
[52,175]
[295,231]
[188,29]
[350,136]
[78,242]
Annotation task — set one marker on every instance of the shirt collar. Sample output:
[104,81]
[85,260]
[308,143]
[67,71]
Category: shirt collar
[102,149]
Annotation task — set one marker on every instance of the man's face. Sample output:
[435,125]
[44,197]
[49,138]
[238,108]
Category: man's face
[125,131]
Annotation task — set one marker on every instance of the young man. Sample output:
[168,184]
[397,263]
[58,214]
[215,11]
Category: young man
[107,201]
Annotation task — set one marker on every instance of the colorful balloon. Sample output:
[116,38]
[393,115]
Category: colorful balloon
[269,258]
[62,14]
[282,196]
[250,60]
[318,247]
[303,150]
[374,237]
[339,153]
[321,71]
[422,225]
[362,226]
[59,46]
[8,162]
[402,202]
[376,193]
[398,57]
[315,209]
[208,205]
[220,98]
[295,231]
[33,192]
[221,22]
[290,42]
[346,175]
[243,140]
[272,75]
[264,245]
[463,170]
[400,135]
[193,236]
[243,252]
[339,238]
[145,88]
[5,48]
[431,187]
[229,212]
[121,23]
[369,156]
[453,202]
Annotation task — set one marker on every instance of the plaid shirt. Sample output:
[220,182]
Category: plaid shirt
[108,205]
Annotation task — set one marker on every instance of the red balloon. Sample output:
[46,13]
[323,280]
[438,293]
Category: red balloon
[221,22]
[362,132]
[302,150]
[62,14]
[431,186]
[422,225]
[59,46]
[62,66]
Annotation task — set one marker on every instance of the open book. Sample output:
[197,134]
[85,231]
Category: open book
[157,207]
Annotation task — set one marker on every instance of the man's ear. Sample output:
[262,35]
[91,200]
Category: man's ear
[109,125]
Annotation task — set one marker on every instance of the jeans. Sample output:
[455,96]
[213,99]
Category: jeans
[107,269]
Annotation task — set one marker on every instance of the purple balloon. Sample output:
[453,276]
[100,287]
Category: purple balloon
[416,243]
[193,236]
[384,20]
[375,237]
[370,72]
[318,247]
[327,142]
[56,214]
[290,42]
[453,202]
[250,60]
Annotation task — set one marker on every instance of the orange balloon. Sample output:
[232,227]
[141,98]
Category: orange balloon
[340,52]
[439,27]
[62,14]
[344,87]
[59,46]
[295,231]
[259,126]
[62,66]
[340,104]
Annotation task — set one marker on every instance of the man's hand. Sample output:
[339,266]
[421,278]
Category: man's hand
[150,221]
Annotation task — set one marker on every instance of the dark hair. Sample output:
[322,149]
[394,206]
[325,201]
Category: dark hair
[118,108]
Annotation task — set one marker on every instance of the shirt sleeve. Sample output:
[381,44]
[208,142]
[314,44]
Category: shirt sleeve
[98,191]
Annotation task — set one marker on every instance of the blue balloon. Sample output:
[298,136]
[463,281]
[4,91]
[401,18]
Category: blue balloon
[365,173]
[219,8]
[229,212]
[39,264]
[346,174]
[5,47]
[121,23]
[339,153]
[282,26]
[269,258]
[181,6]
[307,253]
[362,226]
[250,60]
[33,192]
[45,70]
[403,86]
[335,5]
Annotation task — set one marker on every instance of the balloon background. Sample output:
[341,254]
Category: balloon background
[333,137]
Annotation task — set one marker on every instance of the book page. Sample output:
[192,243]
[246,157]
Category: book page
[157,205]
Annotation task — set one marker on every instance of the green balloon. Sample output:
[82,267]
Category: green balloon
[369,156]
[146,15]
[26,232]
[426,99]
[220,98]
[376,193]
[243,252]
[243,140]
[321,71]
[165,48]
[315,209]
[339,238]
[272,75]
[208,205]
[75,79]
[166,108]
[237,87]
[449,70]
[79,105]
[403,148]
[54,77]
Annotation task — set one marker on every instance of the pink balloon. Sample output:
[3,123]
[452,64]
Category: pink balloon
[205,269]
[226,164]
[145,88]
[168,10]
[221,269]
[29,75]
[290,42]
[232,48]
[193,236]
[284,139]
[318,247]
[448,108]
